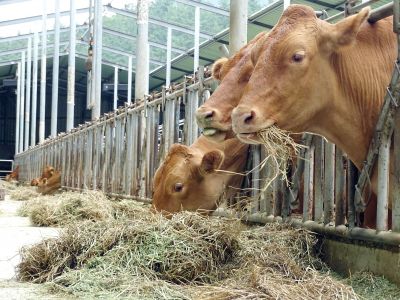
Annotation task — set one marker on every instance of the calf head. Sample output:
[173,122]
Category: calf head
[187,181]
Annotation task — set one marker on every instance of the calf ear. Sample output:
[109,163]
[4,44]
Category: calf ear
[217,67]
[344,32]
[178,148]
[211,161]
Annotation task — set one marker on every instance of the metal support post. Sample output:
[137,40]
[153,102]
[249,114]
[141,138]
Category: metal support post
[97,55]
[237,25]
[34,87]
[196,39]
[168,67]
[71,67]
[56,63]
[383,184]
[18,107]
[28,93]
[43,76]
[329,195]
[115,98]
[129,93]
[22,104]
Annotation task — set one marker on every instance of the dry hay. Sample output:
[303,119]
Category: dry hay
[9,186]
[280,149]
[67,207]
[23,193]
[187,257]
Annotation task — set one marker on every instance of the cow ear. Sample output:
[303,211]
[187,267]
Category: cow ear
[344,33]
[217,68]
[51,172]
[211,161]
[178,148]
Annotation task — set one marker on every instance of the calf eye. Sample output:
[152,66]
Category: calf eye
[178,187]
[298,57]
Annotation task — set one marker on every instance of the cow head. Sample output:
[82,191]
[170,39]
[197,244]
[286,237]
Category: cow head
[214,116]
[48,171]
[186,181]
[293,82]
[35,181]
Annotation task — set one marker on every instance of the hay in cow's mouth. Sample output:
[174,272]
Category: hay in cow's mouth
[280,149]
[187,257]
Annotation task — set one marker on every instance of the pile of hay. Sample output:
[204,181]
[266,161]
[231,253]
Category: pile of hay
[67,207]
[23,193]
[187,257]
[9,186]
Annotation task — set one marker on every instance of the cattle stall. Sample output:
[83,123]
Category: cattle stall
[120,152]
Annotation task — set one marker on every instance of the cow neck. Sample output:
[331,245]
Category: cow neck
[362,74]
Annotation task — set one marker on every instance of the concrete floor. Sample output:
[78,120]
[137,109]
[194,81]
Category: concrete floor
[16,232]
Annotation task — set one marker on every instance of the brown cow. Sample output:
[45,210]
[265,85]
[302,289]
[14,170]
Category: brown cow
[14,175]
[214,116]
[47,172]
[51,184]
[188,179]
[322,78]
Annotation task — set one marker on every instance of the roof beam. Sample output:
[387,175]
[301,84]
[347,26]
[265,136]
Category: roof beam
[27,35]
[157,22]
[207,7]
[39,17]
[133,38]
[124,53]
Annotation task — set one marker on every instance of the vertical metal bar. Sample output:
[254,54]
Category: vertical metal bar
[340,203]
[383,184]
[115,98]
[329,193]
[134,130]
[43,76]
[34,87]
[237,25]
[278,197]
[196,39]
[22,104]
[308,184]
[129,154]
[319,179]
[255,192]
[28,93]
[129,96]
[396,176]
[142,50]
[168,66]
[56,66]
[71,67]
[97,55]
[18,108]
[351,182]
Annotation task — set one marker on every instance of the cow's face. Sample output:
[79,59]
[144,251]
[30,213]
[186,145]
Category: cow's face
[48,171]
[293,82]
[214,116]
[185,181]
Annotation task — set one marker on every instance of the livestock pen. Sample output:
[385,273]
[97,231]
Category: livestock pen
[119,152]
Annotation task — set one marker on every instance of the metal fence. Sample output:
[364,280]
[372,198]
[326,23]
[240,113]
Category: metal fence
[120,153]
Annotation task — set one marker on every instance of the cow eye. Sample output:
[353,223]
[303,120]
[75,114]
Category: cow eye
[298,57]
[178,187]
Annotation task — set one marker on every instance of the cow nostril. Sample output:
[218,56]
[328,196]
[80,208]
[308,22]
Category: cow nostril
[248,117]
[208,114]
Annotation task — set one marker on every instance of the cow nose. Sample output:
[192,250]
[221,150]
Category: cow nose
[248,117]
[243,118]
[204,116]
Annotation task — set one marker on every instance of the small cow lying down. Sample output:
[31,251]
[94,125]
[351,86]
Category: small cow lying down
[189,178]
[47,172]
[14,175]
[50,185]
[49,182]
